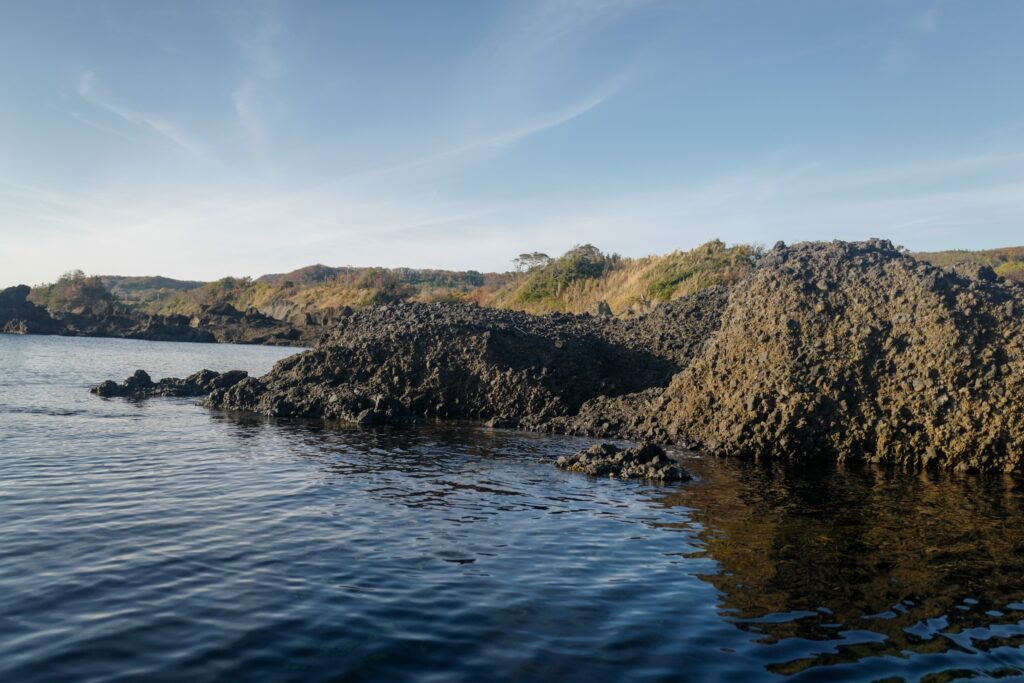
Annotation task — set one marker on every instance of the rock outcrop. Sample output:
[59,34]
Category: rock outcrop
[856,351]
[140,385]
[647,461]
[122,323]
[229,325]
[222,323]
[18,315]
[464,361]
[843,351]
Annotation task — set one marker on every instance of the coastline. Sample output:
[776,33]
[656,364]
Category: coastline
[838,351]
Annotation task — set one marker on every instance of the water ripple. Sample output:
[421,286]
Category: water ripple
[155,540]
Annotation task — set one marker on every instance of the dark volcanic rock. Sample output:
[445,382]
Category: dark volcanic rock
[225,323]
[125,324]
[856,351]
[222,323]
[647,461]
[630,416]
[844,351]
[199,384]
[463,361]
[18,315]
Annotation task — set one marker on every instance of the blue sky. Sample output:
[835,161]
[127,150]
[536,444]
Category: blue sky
[200,139]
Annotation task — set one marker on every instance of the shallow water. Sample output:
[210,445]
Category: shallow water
[157,540]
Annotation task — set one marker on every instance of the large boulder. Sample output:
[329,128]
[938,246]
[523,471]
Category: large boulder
[856,351]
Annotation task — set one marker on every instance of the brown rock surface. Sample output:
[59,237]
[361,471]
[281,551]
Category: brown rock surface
[856,351]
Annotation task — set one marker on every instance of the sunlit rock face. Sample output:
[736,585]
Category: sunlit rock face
[857,351]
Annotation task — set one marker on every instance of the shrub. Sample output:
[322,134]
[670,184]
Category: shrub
[582,262]
[705,266]
[75,292]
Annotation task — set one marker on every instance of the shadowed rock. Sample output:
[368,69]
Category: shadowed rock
[18,315]
[140,384]
[463,361]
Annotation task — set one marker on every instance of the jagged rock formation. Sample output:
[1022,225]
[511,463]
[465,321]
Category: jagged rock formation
[124,324]
[227,324]
[140,385]
[463,361]
[647,461]
[845,351]
[857,351]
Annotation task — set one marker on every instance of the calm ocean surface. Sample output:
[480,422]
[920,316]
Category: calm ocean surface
[155,540]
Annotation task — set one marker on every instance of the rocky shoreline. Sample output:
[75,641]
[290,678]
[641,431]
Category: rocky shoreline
[843,351]
[141,385]
[220,323]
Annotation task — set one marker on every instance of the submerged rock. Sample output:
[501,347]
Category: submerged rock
[141,385]
[647,461]
[502,422]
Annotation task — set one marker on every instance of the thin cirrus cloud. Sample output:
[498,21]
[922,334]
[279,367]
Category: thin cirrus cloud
[638,125]
[90,90]
[508,137]
[391,226]
[257,30]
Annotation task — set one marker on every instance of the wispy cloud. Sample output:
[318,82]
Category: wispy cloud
[509,137]
[90,90]
[552,120]
[257,29]
[530,56]
[535,25]
[195,234]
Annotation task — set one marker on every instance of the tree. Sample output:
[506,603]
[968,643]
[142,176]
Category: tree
[527,262]
[74,291]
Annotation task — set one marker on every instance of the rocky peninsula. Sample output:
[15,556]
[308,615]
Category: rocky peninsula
[217,323]
[845,351]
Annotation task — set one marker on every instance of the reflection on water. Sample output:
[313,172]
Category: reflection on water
[155,540]
[875,563]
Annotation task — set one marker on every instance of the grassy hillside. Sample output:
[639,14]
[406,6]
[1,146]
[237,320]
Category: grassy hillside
[144,290]
[584,276]
[321,287]
[574,282]
[1007,262]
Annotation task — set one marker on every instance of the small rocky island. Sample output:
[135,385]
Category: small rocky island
[141,385]
[844,351]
